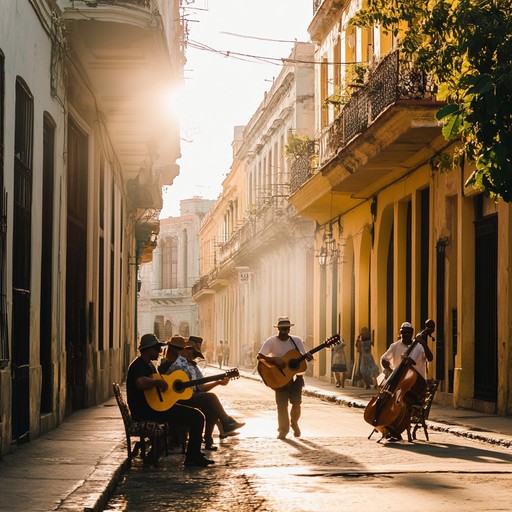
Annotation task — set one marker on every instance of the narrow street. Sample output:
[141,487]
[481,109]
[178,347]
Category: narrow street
[333,466]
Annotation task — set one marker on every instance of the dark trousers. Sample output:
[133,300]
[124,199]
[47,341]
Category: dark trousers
[213,410]
[292,394]
[189,417]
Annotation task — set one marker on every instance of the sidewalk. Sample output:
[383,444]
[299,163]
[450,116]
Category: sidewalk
[76,466]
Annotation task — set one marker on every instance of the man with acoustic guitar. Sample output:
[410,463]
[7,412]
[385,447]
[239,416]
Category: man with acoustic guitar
[181,355]
[140,379]
[272,354]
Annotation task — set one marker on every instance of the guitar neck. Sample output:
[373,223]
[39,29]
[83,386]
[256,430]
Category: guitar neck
[204,380]
[302,357]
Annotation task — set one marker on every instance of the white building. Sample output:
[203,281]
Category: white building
[85,147]
[165,304]
[256,252]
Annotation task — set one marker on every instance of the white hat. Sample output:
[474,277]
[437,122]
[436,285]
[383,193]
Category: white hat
[283,321]
[406,325]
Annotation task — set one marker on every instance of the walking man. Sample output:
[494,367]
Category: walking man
[272,352]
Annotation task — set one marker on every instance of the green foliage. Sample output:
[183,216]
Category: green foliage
[466,46]
[297,146]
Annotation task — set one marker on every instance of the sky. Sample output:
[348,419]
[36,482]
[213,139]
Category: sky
[222,92]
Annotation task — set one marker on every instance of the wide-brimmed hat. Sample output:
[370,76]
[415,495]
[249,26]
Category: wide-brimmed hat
[283,321]
[148,341]
[407,325]
[196,353]
[178,342]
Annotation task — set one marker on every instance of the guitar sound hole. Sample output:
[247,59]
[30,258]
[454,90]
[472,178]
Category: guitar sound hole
[178,386]
[293,364]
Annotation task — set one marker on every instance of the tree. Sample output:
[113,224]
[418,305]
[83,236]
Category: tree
[466,46]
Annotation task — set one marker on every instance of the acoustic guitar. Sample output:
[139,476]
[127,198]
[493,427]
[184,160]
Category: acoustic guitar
[179,388]
[277,378]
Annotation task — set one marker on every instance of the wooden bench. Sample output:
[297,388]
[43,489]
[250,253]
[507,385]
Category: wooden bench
[420,412]
[150,430]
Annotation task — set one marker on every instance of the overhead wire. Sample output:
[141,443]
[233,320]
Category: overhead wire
[278,61]
[244,36]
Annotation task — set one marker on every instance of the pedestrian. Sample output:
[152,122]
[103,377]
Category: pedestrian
[220,353]
[339,364]
[226,353]
[182,357]
[140,378]
[367,365]
[272,353]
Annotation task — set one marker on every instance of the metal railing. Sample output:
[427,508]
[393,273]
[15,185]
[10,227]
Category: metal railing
[147,4]
[393,79]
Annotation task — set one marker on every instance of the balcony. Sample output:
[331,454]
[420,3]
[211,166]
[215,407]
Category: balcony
[147,227]
[387,124]
[173,296]
[207,285]
[266,224]
[145,190]
[125,57]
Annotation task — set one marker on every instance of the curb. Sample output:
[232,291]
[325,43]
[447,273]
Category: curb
[443,427]
[87,497]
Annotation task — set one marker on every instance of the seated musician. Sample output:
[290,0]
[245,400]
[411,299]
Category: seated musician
[180,356]
[140,378]
[396,352]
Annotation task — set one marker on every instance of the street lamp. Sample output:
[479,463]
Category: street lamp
[322,257]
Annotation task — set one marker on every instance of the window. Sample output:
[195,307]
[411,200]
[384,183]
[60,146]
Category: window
[170,263]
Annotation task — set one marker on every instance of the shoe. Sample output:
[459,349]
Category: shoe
[281,435]
[394,439]
[197,461]
[223,435]
[231,425]
[338,384]
[210,447]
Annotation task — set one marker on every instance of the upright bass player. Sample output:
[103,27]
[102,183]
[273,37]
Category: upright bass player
[417,357]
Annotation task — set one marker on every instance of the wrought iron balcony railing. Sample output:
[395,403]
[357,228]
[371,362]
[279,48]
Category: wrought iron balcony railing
[394,79]
[147,4]
[302,169]
[267,218]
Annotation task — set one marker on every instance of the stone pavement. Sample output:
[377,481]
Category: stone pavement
[76,466]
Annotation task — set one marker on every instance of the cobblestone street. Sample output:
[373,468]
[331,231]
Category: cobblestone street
[332,465]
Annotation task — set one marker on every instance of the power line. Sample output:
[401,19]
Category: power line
[278,61]
[259,38]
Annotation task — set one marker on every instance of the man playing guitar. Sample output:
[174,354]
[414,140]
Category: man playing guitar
[271,353]
[140,378]
[181,354]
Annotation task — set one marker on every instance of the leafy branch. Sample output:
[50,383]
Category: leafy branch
[466,46]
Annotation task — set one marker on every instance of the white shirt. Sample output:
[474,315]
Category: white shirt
[275,347]
[394,355]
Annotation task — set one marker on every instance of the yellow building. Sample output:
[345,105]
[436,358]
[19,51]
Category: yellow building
[401,241]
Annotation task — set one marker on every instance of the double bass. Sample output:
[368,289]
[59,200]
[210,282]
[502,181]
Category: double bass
[390,411]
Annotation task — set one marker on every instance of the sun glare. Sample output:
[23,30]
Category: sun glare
[175,102]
